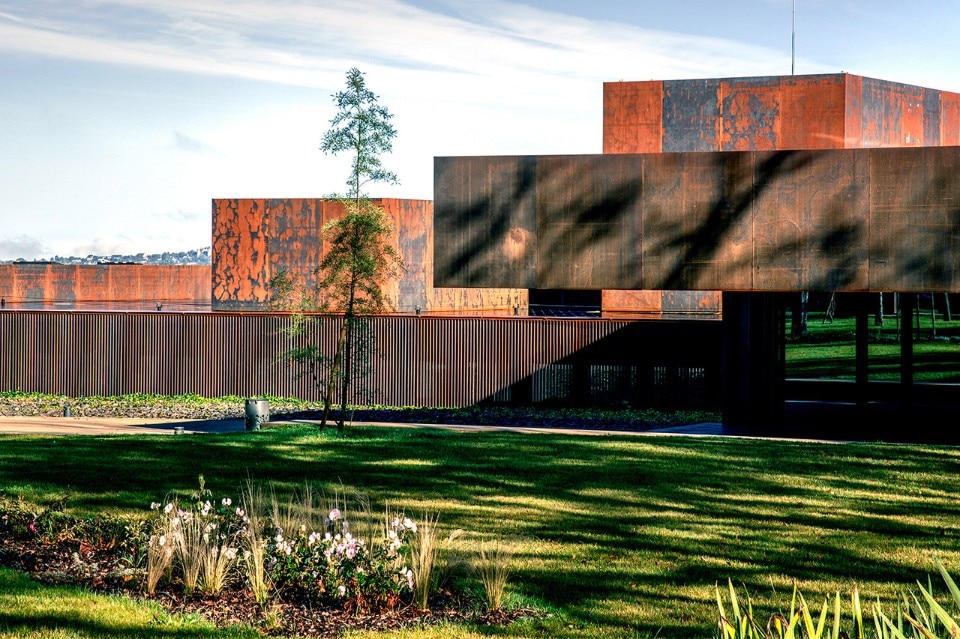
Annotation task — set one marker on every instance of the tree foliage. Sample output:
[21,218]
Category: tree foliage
[361,127]
[360,255]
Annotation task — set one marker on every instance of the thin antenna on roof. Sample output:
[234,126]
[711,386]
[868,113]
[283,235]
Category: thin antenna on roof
[793,40]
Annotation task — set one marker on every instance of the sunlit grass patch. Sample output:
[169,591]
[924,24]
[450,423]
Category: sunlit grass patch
[618,536]
[30,610]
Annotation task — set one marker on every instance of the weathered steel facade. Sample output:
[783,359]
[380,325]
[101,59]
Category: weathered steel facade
[751,186]
[833,111]
[830,111]
[845,220]
[417,361]
[253,239]
[128,287]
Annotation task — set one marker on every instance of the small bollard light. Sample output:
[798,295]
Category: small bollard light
[256,413]
[178,430]
[68,411]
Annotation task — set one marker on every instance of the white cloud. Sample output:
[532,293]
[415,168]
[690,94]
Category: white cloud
[487,77]
[22,247]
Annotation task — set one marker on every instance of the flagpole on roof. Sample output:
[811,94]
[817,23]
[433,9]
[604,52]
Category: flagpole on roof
[793,40]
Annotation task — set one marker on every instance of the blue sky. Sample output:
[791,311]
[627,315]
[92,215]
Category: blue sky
[120,120]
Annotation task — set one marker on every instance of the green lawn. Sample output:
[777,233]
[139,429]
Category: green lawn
[616,536]
[827,352]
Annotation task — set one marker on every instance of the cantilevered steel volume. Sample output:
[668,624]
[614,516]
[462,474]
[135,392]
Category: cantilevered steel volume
[818,220]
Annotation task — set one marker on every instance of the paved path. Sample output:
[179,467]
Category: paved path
[112,426]
[121,426]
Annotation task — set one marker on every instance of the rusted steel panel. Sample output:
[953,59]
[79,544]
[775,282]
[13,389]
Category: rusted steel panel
[850,219]
[811,221]
[892,114]
[632,304]
[256,239]
[588,210]
[415,220]
[829,111]
[680,305]
[705,305]
[418,361]
[949,119]
[812,112]
[915,220]
[239,254]
[853,109]
[697,220]
[932,113]
[691,115]
[750,114]
[632,117]
[135,287]
[293,239]
[491,237]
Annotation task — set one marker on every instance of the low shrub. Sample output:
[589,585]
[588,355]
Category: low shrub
[206,544]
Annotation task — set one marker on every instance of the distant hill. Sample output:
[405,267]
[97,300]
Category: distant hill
[196,256]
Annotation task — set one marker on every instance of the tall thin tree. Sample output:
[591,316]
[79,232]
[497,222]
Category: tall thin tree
[360,255]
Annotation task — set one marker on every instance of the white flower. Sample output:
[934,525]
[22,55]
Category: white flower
[168,508]
[342,590]
[226,501]
[335,514]
[161,540]
[240,513]
[154,505]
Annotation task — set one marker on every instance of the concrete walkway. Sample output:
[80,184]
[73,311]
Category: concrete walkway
[122,426]
[113,426]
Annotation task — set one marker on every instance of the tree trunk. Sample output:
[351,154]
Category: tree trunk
[831,309]
[347,372]
[334,372]
[933,314]
[878,318]
[798,321]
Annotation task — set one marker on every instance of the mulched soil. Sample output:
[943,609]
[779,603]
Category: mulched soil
[103,570]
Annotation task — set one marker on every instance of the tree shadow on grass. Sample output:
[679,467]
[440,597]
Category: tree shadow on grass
[706,509]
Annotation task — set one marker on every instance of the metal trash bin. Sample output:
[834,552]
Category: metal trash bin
[257,413]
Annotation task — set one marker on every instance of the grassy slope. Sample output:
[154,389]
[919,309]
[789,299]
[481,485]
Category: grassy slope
[621,536]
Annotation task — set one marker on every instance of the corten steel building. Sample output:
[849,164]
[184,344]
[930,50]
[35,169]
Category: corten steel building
[756,187]
[105,287]
[254,239]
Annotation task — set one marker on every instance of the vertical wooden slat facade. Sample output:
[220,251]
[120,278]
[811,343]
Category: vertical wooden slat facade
[416,361]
